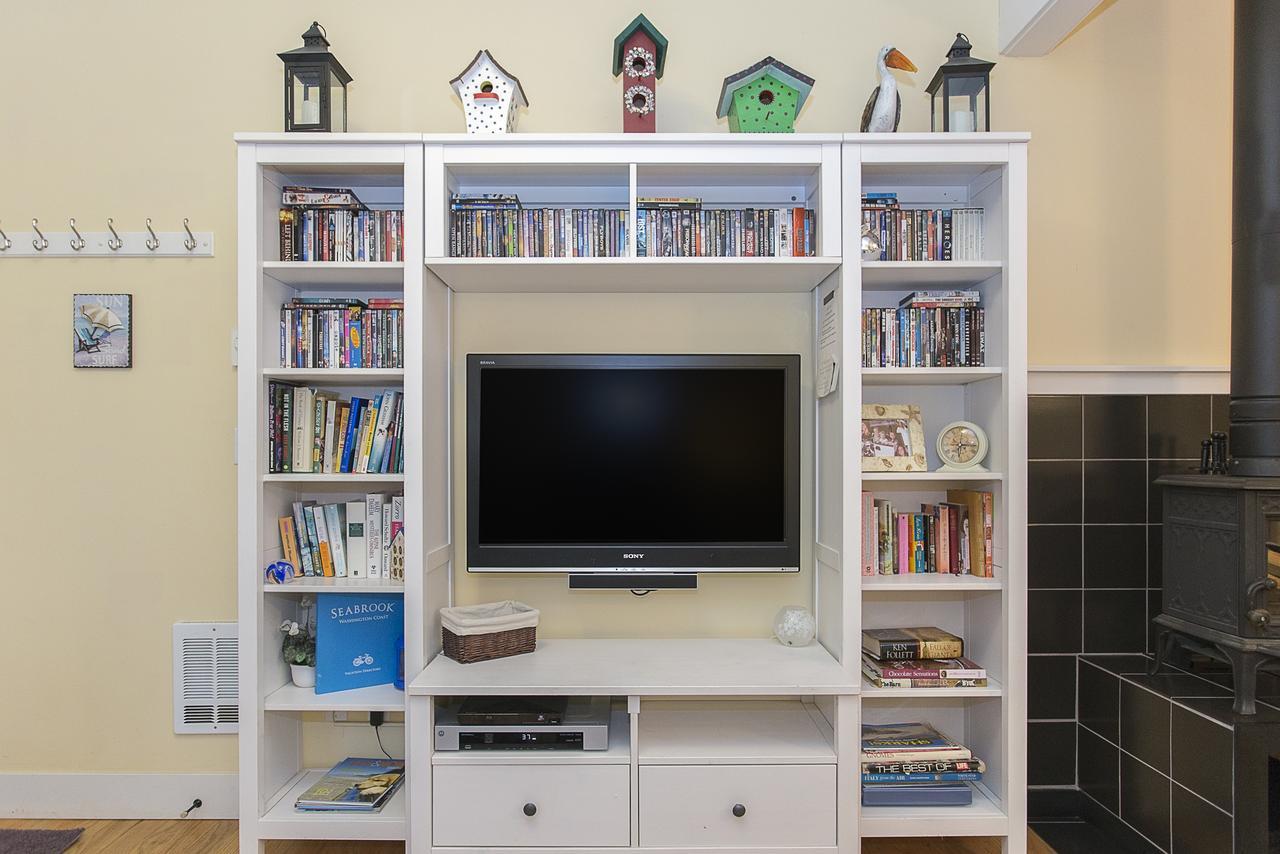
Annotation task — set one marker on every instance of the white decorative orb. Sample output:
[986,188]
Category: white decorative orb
[794,626]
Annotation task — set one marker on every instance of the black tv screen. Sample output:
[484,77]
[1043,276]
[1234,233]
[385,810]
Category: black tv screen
[633,463]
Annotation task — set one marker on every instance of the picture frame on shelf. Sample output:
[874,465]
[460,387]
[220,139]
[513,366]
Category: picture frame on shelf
[892,438]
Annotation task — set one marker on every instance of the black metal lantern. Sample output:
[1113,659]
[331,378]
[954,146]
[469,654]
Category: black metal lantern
[315,85]
[960,91]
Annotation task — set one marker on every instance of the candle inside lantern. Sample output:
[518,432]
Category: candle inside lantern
[310,108]
[961,121]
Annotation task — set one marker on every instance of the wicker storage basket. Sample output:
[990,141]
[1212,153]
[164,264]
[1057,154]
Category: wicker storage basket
[493,630]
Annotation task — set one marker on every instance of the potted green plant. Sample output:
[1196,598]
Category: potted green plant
[299,649]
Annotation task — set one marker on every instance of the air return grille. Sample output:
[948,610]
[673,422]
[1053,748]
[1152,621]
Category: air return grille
[206,673]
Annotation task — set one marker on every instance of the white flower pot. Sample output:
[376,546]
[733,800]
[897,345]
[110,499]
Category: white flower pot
[303,676]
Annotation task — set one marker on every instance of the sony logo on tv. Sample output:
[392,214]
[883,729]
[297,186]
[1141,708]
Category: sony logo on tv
[633,556]
[354,610]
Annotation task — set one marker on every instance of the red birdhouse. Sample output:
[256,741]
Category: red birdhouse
[639,54]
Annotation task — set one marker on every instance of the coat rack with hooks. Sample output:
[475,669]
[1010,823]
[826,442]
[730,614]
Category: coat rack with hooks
[111,243]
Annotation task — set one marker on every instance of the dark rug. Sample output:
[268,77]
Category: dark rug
[38,841]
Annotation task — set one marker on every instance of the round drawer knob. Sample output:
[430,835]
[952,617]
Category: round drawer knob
[530,809]
[739,810]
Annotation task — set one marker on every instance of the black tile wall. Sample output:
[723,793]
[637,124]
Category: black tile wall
[1099,769]
[1053,556]
[1053,621]
[1202,756]
[1051,689]
[1115,491]
[1053,492]
[1176,425]
[1099,704]
[1053,427]
[1218,410]
[1115,427]
[1144,800]
[1051,753]
[1198,826]
[1115,556]
[1144,725]
[1115,620]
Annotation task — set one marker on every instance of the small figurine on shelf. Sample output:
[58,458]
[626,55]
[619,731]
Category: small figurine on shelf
[639,55]
[884,107]
[490,95]
[764,98]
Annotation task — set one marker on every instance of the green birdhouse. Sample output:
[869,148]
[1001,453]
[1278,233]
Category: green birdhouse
[765,98]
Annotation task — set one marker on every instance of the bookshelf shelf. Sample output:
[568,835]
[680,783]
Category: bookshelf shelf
[352,479]
[282,821]
[909,275]
[984,817]
[632,275]
[336,585]
[313,274]
[931,477]
[377,698]
[927,376]
[871,692]
[929,581]
[337,376]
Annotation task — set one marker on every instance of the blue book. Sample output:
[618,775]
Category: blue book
[918,795]
[356,636]
[943,777]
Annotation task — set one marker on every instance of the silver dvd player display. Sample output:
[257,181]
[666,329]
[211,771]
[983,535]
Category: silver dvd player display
[583,725]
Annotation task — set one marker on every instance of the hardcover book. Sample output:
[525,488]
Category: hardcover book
[911,643]
[354,785]
[356,636]
[926,668]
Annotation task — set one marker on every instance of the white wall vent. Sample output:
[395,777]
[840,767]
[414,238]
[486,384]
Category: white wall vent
[206,677]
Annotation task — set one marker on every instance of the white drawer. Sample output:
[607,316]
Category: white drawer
[781,805]
[572,805]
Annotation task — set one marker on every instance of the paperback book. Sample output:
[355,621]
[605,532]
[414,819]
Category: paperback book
[344,540]
[313,431]
[952,537]
[914,764]
[911,643]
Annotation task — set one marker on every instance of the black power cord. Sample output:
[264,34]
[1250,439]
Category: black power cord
[376,719]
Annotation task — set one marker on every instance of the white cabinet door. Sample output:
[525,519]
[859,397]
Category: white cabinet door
[531,805]
[740,805]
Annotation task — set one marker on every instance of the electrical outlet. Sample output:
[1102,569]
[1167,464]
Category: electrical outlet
[342,717]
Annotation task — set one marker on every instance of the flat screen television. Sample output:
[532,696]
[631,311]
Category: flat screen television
[633,463]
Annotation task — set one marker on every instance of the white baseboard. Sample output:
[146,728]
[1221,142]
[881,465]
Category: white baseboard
[1126,379]
[117,795]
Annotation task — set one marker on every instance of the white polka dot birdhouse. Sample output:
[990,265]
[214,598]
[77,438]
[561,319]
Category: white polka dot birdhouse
[490,95]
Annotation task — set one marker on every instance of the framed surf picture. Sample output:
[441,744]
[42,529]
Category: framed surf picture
[102,330]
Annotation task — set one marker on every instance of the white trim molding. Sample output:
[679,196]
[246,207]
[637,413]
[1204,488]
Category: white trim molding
[41,795]
[1128,379]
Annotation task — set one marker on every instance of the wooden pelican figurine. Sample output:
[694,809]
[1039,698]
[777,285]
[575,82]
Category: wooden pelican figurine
[884,108]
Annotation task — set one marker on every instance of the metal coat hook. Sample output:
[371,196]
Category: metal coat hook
[113,242]
[5,242]
[153,242]
[39,242]
[77,242]
[190,242]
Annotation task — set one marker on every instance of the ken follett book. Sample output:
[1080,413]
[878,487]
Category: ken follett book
[356,640]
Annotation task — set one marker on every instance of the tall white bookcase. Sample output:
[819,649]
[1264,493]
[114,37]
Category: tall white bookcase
[696,721]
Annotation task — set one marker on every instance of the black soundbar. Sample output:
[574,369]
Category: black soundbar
[634,581]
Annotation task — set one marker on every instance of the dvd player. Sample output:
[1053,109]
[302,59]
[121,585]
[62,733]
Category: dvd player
[577,723]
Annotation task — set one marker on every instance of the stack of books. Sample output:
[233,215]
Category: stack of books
[313,431]
[332,224]
[342,332]
[913,764]
[352,539]
[928,234]
[928,329]
[923,657]
[680,227]
[354,786]
[955,536]
[496,225]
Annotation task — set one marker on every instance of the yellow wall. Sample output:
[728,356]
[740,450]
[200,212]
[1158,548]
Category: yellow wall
[119,503]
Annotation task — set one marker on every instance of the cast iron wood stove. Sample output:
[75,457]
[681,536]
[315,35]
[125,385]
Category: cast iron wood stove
[1221,562]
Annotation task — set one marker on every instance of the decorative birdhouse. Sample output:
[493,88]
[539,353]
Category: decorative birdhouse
[960,91]
[639,55]
[490,95]
[315,85]
[764,98]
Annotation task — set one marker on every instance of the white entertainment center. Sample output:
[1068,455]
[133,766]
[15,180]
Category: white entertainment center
[722,740]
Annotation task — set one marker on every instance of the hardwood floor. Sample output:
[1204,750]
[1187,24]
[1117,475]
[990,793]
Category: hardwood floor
[219,837]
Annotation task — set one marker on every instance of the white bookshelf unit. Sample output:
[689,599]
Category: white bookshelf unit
[702,724]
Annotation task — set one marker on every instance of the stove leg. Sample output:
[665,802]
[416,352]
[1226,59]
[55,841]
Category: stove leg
[1165,642]
[1244,672]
